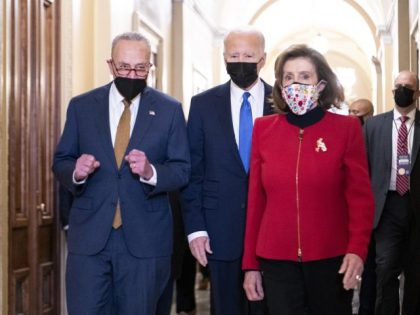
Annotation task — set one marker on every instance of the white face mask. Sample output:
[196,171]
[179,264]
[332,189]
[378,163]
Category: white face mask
[301,98]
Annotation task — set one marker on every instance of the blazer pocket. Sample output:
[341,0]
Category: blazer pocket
[82,203]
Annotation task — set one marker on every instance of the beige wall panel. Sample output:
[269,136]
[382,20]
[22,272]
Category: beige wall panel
[3,164]
[82,45]
[198,58]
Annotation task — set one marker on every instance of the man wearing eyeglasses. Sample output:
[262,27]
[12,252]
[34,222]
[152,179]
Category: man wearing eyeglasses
[124,146]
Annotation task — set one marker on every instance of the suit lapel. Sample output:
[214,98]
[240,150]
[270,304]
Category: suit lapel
[225,118]
[102,123]
[416,138]
[268,106]
[145,115]
[386,135]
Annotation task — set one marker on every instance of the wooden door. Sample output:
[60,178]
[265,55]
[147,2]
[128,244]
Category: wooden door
[32,44]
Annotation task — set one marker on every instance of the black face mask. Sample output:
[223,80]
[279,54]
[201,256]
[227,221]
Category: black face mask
[128,87]
[403,96]
[243,74]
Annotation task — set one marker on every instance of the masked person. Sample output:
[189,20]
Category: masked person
[392,142]
[310,208]
[219,130]
[124,146]
[361,108]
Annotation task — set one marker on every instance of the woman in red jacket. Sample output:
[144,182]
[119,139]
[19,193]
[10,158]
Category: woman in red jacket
[310,205]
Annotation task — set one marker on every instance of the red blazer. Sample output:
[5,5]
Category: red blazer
[309,192]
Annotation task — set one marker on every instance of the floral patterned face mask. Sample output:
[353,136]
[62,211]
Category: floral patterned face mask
[301,98]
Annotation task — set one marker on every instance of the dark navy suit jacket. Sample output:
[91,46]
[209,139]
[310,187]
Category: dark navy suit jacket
[215,199]
[160,132]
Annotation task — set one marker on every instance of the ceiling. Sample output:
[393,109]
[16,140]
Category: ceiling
[347,28]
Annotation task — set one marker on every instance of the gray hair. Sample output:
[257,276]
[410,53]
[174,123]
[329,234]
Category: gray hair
[246,30]
[134,36]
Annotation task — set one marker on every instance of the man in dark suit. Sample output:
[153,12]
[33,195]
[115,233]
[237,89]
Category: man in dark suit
[124,146]
[392,142]
[219,131]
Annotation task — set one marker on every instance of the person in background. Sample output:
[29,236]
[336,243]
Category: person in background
[219,130]
[361,108]
[310,208]
[124,147]
[392,143]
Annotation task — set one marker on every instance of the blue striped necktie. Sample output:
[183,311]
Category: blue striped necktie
[245,131]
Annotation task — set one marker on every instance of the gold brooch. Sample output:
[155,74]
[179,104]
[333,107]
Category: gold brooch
[320,145]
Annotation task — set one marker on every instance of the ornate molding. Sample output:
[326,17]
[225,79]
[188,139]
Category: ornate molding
[384,34]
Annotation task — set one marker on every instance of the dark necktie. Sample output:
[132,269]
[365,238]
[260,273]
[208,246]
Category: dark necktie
[122,138]
[402,150]
[245,131]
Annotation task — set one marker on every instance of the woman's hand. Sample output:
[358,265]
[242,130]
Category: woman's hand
[352,268]
[253,285]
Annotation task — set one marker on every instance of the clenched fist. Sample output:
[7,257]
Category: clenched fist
[139,164]
[86,164]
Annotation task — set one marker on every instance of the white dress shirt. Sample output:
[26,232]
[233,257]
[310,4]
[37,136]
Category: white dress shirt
[395,126]
[256,99]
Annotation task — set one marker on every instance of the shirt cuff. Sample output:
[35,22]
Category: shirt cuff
[152,180]
[81,182]
[194,235]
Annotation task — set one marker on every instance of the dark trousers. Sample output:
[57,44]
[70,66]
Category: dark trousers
[185,284]
[164,304]
[367,296]
[295,288]
[227,293]
[411,303]
[411,300]
[114,281]
[185,289]
[391,238]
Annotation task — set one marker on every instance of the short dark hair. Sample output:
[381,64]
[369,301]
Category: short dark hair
[333,93]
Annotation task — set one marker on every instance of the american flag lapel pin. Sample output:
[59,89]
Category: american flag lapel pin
[152,113]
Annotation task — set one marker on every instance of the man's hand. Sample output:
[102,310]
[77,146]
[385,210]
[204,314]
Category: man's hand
[352,267]
[139,164]
[200,246]
[253,285]
[86,164]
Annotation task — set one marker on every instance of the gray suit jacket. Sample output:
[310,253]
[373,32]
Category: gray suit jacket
[378,138]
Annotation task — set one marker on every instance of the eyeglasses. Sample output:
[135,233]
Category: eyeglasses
[139,69]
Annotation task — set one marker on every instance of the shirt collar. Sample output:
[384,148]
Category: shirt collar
[237,92]
[411,114]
